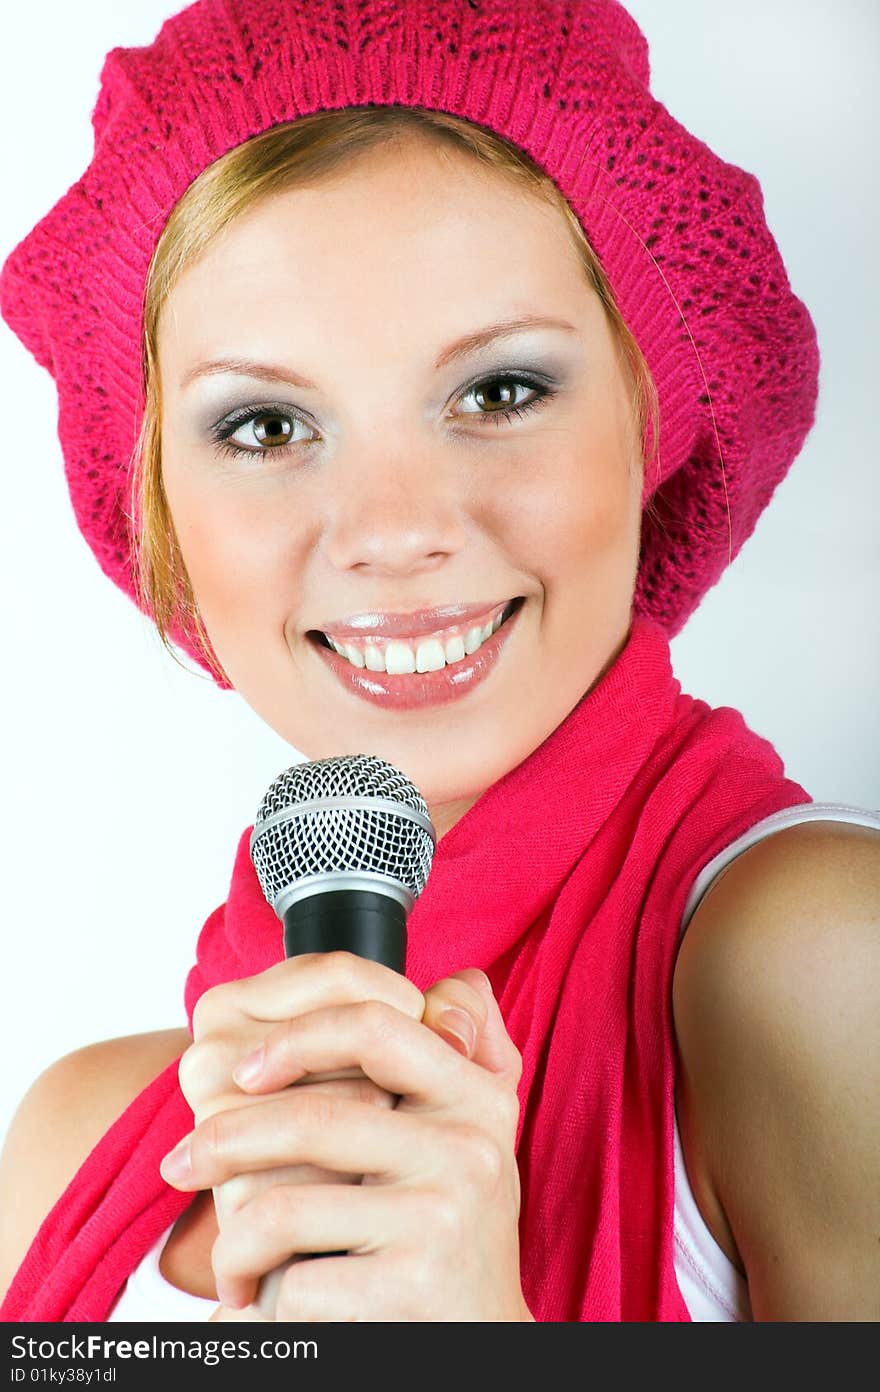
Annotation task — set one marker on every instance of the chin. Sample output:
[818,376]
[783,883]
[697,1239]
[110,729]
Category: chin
[424,756]
[457,790]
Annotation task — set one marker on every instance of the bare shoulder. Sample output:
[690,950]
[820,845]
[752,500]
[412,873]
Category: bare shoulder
[778,1034]
[58,1122]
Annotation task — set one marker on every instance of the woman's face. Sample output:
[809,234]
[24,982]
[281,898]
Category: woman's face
[343,338]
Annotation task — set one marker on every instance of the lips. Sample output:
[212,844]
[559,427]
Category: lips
[415,691]
[415,625]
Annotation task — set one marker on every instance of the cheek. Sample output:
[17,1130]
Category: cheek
[238,547]
[580,513]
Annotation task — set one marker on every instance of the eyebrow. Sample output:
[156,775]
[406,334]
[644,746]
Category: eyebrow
[469,343]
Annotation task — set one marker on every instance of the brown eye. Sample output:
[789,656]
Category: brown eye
[259,431]
[273,429]
[501,393]
[497,398]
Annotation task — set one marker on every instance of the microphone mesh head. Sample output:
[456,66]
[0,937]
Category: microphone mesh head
[364,822]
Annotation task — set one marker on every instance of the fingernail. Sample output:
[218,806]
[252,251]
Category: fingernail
[459,1024]
[250,1068]
[177,1164]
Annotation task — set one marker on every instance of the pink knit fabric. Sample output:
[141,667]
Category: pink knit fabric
[681,235]
[566,882]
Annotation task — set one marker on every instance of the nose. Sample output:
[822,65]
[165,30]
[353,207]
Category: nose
[394,514]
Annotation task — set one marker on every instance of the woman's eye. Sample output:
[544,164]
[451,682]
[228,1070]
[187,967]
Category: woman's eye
[499,399]
[260,430]
[264,430]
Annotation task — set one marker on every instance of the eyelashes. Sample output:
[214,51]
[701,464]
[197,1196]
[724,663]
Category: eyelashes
[275,416]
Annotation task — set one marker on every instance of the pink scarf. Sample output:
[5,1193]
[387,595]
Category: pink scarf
[566,882]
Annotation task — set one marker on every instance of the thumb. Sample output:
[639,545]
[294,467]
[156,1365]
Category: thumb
[463,1010]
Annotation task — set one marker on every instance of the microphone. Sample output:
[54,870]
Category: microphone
[342,848]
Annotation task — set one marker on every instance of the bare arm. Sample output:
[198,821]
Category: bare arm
[59,1121]
[776,1014]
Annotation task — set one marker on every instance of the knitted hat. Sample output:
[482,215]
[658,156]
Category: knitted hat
[680,234]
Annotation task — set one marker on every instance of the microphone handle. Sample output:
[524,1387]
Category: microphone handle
[362,921]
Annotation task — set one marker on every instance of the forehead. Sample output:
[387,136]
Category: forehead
[403,225]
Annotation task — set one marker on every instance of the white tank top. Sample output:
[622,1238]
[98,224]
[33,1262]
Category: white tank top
[712,1288]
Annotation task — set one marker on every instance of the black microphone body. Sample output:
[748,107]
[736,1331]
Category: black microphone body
[360,921]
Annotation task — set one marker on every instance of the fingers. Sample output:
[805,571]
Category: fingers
[416,1253]
[301,1222]
[456,1009]
[396,1052]
[225,1094]
[336,1136]
[495,1050]
[462,1009]
[304,983]
[280,1153]
[231,1020]
[333,1133]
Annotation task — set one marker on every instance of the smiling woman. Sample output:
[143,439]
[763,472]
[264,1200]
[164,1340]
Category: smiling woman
[303,154]
[420,482]
[419,374]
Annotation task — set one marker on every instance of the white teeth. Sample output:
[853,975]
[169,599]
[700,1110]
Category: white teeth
[355,657]
[399,658]
[455,649]
[430,656]
[375,660]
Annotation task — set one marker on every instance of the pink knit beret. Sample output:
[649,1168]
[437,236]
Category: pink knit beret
[680,233]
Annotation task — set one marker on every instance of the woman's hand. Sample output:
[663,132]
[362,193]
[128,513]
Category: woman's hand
[232,1020]
[432,1232]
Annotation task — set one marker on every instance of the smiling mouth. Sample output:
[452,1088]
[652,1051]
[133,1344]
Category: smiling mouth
[431,652]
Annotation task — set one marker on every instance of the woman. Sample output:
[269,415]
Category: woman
[557,1102]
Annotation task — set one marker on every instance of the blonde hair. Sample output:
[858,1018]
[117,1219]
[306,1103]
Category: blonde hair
[294,154]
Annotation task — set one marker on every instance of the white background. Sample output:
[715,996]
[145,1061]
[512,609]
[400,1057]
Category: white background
[127,781]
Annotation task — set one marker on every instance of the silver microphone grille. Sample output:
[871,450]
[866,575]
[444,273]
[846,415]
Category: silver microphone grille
[353,820]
